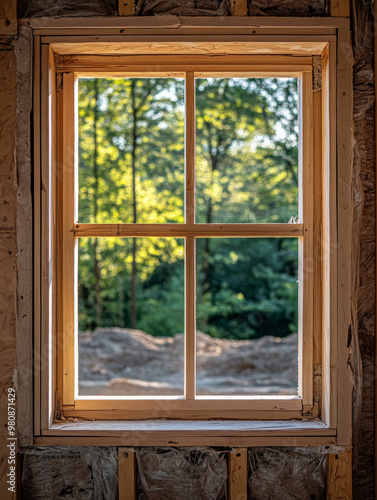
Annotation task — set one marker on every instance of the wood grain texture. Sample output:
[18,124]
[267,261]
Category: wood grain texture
[339,476]
[190,319]
[126,474]
[307,268]
[346,235]
[196,440]
[37,232]
[8,17]
[24,53]
[238,7]
[237,474]
[339,8]
[126,7]
[139,45]
[68,239]
[8,249]
[186,230]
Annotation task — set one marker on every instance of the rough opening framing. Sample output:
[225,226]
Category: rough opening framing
[323,231]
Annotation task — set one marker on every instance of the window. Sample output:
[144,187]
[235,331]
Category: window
[178,174]
[167,173]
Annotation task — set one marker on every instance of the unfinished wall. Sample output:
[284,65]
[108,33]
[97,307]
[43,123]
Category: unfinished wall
[16,185]
[364,195]
[8,214]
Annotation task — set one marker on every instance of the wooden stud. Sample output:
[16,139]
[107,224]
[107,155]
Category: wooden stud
[237,476]
[37,228]
[329,240]
[126,474]
[343,251]
[339,476]
[126,7]
[238,7]
[339,8]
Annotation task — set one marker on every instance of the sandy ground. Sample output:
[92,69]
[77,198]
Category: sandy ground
[115,361]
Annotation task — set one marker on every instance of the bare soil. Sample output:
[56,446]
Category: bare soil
[115,361]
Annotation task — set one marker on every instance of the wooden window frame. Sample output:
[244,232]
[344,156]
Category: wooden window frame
[326,165]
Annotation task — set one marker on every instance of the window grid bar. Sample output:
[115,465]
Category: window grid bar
[190,265]
[186,230]
[190,319]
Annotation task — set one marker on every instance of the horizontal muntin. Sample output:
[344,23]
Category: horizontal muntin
[184,230]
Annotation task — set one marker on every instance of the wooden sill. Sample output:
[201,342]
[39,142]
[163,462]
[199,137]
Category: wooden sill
[188,433]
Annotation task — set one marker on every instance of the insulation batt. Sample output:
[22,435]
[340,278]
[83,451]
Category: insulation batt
[364,248]
[290,8]
[69,472]
[287,474]
[69,8]
[181,473]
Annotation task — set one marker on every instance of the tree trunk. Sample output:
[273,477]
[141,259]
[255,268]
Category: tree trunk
[133,299]
[207,241]
[97,271]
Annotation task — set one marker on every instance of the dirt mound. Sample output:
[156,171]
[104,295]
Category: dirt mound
[115,361]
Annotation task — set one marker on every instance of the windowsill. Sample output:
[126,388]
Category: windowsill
[189,433]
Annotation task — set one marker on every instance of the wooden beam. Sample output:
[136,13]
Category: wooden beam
[339,8]
[126,474]
[238,7]
[126,7]
[339,476]
[237,482]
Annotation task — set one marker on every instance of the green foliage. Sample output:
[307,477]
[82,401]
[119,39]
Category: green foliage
[131,133]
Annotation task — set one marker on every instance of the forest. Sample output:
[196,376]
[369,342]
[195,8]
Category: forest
[131,170]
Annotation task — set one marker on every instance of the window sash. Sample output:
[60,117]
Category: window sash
[72,230]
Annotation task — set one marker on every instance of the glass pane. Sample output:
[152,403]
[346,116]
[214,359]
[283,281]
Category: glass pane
[131,316]
[247,316]
[131,147]
[247,150]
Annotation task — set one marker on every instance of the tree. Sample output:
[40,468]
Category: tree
[247,158]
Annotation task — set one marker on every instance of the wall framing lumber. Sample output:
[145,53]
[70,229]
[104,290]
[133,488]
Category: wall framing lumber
[126,7]
[126,474]
[339,476]
[8,249]
[238,7]
[8,18]
[237,474]
[339,8]
[54,25]
[345,232]
[137,440]
[24,53]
